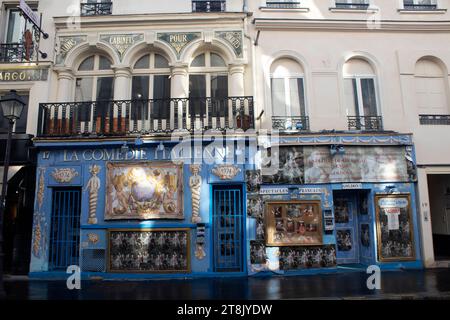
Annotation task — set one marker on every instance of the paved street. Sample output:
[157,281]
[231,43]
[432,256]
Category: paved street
[430,284]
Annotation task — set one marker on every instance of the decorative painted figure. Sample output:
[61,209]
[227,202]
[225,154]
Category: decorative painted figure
[93,186]
[195,183]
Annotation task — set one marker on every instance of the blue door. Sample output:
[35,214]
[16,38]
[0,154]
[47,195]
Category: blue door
[345,218]
[65,228]
[228,228]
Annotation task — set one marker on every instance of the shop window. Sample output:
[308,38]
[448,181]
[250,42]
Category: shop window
[430,87]
[151,87]
[21,124]
[208,81]
[287,89]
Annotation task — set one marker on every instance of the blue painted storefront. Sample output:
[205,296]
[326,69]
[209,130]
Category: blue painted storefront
[80,156]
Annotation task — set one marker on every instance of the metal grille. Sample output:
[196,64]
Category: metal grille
[228,229]
[65,228]
[93,260]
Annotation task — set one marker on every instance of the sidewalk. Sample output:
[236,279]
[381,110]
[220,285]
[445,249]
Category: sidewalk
[429,284]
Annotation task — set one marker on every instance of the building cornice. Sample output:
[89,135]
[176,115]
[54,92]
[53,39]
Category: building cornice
[351,25]
[155,20]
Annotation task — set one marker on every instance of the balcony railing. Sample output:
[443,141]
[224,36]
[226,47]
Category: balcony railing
[15,53]
[290,124]
[368,123]
[420,7]
[283,5]
[208,6]
[141,117]
[346,5]
[96,9]
[434,119]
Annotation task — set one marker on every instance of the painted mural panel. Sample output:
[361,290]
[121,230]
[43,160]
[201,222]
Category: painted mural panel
[150,190]
[293,223]
[307,257]
[394,228]
[149,251]
[316,165]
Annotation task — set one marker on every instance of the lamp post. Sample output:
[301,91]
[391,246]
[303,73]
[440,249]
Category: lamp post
[12,106]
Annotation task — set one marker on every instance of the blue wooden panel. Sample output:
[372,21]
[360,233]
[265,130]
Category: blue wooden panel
[65,228]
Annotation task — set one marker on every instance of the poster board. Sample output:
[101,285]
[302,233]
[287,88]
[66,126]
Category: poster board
[395,237]
[293,223]
[149,250]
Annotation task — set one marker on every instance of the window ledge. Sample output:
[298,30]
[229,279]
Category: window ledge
[350,10]
[269,9]
[434,11]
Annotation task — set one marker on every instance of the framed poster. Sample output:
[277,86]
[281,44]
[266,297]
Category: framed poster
[149,250]
[294,258]
[394,227]
[258,253]
[293,223]
[144,190]
[255,206]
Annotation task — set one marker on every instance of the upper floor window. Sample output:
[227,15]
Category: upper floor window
[420,5]
[151,81]
[360,89]
[96,8]
[208,6]
[431,86]
[352,4]
[283,4]
[287,89]
[208,77]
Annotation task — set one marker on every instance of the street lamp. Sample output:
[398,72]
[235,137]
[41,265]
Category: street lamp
[12,106]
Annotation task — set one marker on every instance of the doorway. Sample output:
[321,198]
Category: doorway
[228,228]
[351,217]
[18,221]
[439,196]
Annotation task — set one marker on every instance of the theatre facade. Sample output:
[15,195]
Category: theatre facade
[193,206]
[154,160]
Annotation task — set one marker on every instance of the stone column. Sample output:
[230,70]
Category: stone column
[179,89]
[55,121]
[236,89]
[122,92]
[236,81]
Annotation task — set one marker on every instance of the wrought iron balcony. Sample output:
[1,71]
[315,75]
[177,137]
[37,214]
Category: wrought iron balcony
[434,119]
[346,5]
[283,5]
[368,123]
[209,6]
[142,117]
[419,7]
[290,124]
[15,53]
[96,9]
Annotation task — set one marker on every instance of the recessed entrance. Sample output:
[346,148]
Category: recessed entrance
[439,195]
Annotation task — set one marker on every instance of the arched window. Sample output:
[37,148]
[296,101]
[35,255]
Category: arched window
[151,81]
[287,88]
[430,87]
[94,85]
[95,79]
[208,78]
[360,88]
